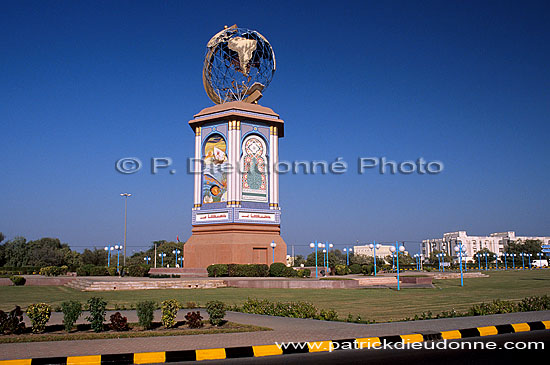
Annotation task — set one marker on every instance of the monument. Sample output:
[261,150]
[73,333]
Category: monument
[236,214]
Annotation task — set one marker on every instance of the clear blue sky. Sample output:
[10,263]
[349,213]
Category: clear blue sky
[84,83]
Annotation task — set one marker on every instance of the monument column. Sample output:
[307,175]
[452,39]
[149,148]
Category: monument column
[236,214]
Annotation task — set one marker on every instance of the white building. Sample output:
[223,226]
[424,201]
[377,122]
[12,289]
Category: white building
[495,242]
[381,252]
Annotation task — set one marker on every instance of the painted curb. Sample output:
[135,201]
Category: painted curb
[271,350]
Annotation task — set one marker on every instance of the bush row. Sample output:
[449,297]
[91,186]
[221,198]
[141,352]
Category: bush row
[528,304]
[285,309]
[276,269]
[39,314]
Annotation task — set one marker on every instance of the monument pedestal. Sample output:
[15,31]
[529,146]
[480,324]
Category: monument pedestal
[233,243]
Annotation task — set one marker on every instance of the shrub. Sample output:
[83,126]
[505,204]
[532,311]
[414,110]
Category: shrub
[18,280]
[84,270]
[218,270]
[112,270]
[278,269]
[71,312]
[99,271]
[139,270]
[534,304]
[216,311]
[328,315]
[250,270]
[54,270]
[169,312]
[159,276]
[282,309]
[145,312]
[39,315]
[303,273]
[367,269]
[194,319]
[118,322]
[12,322]
[341,270]
[97,313]
[495,307]
[190,305]
[355,269]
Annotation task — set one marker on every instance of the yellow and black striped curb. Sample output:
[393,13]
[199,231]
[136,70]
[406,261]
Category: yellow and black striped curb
[271,350]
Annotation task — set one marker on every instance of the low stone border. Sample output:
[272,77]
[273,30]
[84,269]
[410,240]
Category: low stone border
[273,350]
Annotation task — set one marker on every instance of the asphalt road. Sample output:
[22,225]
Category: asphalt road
[422,356]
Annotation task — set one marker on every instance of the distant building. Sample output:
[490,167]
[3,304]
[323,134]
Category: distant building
[495,242]
[381,252]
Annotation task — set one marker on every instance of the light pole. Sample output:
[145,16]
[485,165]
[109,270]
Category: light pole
[118,248]
[478,261]
[330,245]
[496,262]
[523,260]
[109,249]
[529,259]
[374,246]
[416,261]
[147,259]
[347,251]
[513,260]
[125,196]
[439,262]
[397,249]
[505,262]
[314,246]
[273,245]
[176,252]
[162,256]
[486,254]
[322,245]
[458,248]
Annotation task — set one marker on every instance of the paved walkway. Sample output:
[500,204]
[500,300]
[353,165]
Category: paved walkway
[284,329]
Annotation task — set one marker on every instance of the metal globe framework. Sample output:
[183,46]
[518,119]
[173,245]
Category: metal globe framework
[238,62]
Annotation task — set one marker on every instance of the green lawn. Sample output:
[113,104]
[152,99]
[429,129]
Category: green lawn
[372,304]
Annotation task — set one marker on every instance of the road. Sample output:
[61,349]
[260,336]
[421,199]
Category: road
[422,356]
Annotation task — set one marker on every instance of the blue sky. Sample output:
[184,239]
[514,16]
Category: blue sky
[464,82]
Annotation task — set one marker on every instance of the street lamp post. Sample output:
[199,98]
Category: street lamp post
[374,246]
[513,260]
[109,249]
[147,259]
[496,262]
[439,262]
[478,261]
[176,252]
[540,260]
[505,262]
[486,254]
[529,259]
[118,248]
[314,246]
[523,260]
[397,249]
[347,251]
[416,260]
[125,196]
[273,245]
[162,256]
[458,248]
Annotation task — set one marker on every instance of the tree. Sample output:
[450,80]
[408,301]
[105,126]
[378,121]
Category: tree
[435,261]
[481,253]
[16,252]
[47,252]
[299,260]
[95,257]
[529,246]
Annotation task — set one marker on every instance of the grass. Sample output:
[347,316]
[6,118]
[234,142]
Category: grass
[228,327]
[372,304]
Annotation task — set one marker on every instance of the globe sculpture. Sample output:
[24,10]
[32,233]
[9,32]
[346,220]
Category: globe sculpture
[238,65]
